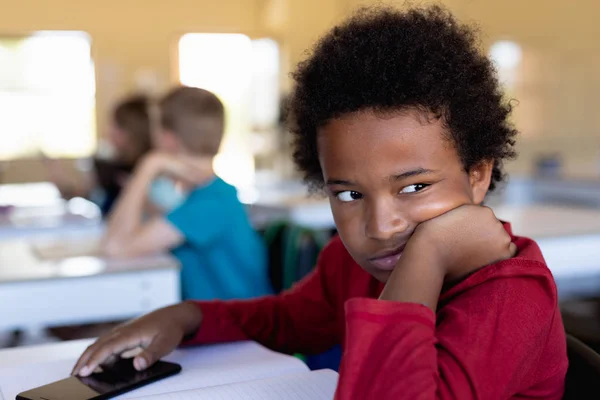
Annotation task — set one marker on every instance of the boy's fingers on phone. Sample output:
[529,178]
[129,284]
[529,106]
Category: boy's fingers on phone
[152,353]
[132,353]
[140,363]
[83,359]
[103,352]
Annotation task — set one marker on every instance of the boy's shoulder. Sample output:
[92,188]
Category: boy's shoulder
[215,190]
[335,249]
[526,271]
[527,249]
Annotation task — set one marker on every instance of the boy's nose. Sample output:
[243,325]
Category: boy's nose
[384,222]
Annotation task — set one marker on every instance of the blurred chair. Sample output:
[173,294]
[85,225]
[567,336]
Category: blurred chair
[273,236]
[581,318]
[293,252]
[583,376]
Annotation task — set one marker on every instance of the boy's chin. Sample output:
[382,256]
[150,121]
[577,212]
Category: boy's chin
[381,276]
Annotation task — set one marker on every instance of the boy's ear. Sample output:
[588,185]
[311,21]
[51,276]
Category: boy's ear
[480,176]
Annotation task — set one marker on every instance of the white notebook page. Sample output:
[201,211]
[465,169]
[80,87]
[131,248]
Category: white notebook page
[202,366]
[313,385]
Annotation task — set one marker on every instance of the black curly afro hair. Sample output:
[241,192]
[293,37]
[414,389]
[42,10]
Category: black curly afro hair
[387,60]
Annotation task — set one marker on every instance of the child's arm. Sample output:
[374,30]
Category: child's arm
[127,233]
[446,249]
[302,319]
[487,344]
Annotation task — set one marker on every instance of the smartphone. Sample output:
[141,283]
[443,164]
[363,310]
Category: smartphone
[116,379]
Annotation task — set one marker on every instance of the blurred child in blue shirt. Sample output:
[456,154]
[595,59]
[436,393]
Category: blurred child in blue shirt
[199,218]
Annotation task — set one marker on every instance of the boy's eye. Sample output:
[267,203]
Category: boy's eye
[414,188]
[348,195]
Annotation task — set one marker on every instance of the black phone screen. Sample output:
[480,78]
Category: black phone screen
[119,378]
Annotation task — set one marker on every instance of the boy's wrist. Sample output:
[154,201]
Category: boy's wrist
[418,278]
[440,253]
[190,315]
[152,165]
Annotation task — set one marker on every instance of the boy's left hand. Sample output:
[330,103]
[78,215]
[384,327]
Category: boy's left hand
[445,249]
[463,240]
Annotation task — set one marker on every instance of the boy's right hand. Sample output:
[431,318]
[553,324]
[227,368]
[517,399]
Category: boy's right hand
[157,333]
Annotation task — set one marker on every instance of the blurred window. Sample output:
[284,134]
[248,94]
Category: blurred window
[47,95]
[506,56]
[244,73]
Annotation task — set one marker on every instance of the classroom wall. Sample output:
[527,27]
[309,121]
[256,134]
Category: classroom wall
[557,92]
[135,39]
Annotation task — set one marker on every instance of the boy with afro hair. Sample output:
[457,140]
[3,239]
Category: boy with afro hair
[399,119]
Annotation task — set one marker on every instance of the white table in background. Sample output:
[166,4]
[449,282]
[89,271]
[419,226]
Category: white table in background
[311,212]
[30,209]
[61,216]
[570,242]
[36,292]
[35,194]
[37,354]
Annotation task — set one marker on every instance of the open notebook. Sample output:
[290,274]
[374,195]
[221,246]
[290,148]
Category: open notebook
[310,385]
[243,370]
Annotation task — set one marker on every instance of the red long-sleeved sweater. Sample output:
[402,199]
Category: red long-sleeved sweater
[496,335]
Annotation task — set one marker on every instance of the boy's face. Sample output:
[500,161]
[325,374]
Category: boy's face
[386,174]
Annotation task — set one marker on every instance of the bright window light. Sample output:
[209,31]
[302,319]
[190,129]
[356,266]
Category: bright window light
[244,74]
[507,56]
[47,96]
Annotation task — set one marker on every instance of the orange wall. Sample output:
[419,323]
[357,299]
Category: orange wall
[559,86]
[558,93]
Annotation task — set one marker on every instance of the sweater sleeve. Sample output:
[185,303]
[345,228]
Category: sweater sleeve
[302,319]
[489,342]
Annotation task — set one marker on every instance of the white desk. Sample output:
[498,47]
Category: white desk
[568,191]
[17,356]
[37,194]
[40,292]
[75,215]
[202,367]
[30,209]
[570,242]
[312,212]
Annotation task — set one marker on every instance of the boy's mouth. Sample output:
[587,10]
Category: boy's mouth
[388,259]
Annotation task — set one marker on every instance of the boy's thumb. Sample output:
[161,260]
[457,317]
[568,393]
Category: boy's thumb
[140,363]
[151,354]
